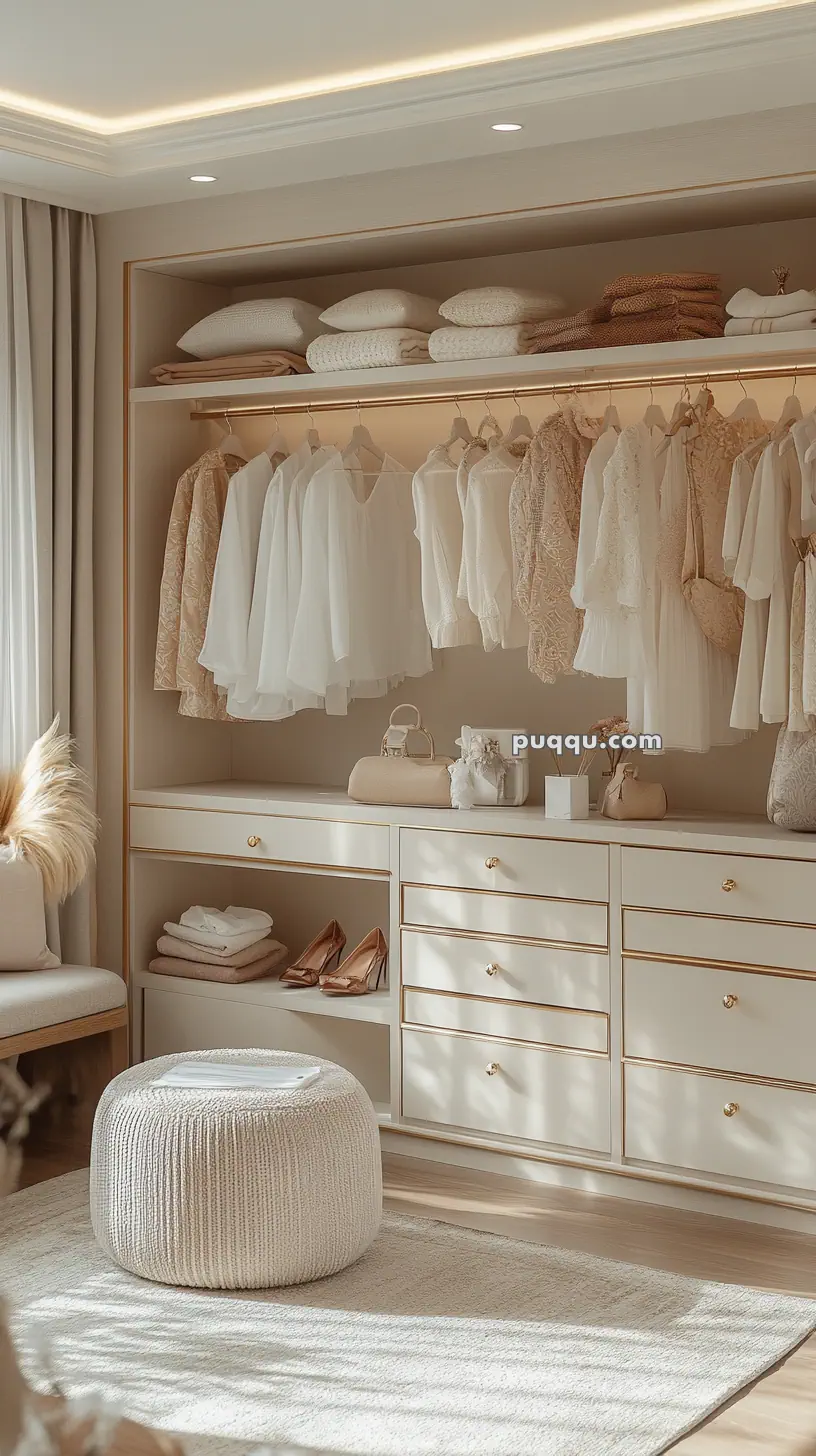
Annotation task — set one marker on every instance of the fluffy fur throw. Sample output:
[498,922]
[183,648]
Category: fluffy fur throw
[45,814]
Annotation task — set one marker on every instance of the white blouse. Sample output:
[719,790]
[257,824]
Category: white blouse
[487,553]
[225,641]
[439,531]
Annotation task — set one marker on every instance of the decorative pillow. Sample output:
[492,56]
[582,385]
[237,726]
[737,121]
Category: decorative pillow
[383,308]
[256,323]
[477,307]
[22,916]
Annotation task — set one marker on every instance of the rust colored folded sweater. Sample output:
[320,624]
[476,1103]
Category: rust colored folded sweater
[692,300]
[610,333]
[632,283]
[269,363]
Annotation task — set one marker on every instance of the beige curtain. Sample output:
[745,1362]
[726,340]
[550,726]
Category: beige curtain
[61,277]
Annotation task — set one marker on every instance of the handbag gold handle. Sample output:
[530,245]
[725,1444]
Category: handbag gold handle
[417,727]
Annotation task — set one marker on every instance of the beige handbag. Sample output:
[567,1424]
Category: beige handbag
[627,798]
[792,787]
[398,777]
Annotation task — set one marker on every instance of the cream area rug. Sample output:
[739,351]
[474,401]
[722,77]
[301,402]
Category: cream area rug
[439,1342]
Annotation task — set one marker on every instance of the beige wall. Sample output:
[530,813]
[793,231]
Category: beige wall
[732,152]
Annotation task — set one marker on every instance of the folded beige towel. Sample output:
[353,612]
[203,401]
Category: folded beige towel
[644,328]
[367,349]
[221,946]
[232,975]
[630,283]
[689,298]
[491,341]
[269,363]
[169,945]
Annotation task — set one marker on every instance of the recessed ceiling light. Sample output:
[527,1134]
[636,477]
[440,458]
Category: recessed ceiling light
[203,177]
[506,126]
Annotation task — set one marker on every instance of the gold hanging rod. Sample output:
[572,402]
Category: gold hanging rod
[580,384]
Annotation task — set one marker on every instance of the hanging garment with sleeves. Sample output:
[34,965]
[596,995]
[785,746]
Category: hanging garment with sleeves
[439,531]
[596,652]
[225,641]
[487,551]
[545,512]
[189,563]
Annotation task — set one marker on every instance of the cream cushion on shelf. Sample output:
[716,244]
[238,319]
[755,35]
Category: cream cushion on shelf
[383,308]
[22,917]
[255,323]
[235,1188]
[480,307]
[28,1002]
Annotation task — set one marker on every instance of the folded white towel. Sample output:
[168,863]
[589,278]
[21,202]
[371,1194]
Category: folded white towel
[221,946]
[170,945]
[367,349]
[748,304]
[232,921]
[493,341]
[238,1074]
[788,323]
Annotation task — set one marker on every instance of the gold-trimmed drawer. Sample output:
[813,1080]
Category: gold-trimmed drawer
[734,942]
[265,838]
[507,863]
[586,1031]
[505,970]
[720,1125]
[523,916]
[739,885]
[729,1021]
[521,1092]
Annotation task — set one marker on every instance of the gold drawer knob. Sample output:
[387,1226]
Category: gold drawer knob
[731,1109]
[490,864]
[729,885]
[254,840]
[493,969]
[730,1000]
[492,1068]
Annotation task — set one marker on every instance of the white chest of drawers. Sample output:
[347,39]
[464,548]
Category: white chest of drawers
[629,1003]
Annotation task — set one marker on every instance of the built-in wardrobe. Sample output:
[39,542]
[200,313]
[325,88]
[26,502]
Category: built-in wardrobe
[621,1007]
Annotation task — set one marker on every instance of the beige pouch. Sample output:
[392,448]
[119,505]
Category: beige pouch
[627,798]
[397,777]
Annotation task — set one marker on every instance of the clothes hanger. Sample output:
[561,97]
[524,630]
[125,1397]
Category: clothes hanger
[229,444]
[488,419]
[791,412]
[277,445]
[747,409]
[520,428]
[312,434]
[611,418]
[460,430]
[682,414]
[654,416]
[361,440]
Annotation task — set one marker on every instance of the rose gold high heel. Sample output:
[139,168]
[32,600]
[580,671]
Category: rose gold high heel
[324,952]
[353,978]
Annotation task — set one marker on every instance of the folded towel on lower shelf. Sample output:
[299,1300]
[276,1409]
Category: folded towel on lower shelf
[219,945]
[269,363]
[230,974]
[788,323]
[169,945]
[235,920]
[367,349]
[491,341]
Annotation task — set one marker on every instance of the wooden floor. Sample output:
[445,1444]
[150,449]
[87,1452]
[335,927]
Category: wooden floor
[775,1417]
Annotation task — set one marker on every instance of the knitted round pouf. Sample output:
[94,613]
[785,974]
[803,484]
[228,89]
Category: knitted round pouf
[239,1188]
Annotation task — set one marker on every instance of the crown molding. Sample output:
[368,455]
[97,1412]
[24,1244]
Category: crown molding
[741,51]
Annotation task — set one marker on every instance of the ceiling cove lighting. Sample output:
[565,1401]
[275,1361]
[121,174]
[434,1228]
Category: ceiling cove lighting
[506,126]
[647,22]
[203,177]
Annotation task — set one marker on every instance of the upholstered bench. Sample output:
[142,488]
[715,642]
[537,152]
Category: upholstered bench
[46,1008]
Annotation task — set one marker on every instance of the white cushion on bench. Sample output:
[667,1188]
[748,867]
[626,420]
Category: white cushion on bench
[29,1001]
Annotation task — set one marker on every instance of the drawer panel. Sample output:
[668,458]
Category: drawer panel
[677,1118]
[546,1025]
[545,974]
[759,889]
[675,1013]
[310,842]
[535,1095]
[739,942]
[553,868]
[501,915]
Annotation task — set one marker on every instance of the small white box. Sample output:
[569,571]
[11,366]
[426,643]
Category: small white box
[566,796]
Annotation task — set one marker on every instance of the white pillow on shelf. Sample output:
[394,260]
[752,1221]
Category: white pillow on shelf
[383,308]
[253,324]
[22,917]
[481,307]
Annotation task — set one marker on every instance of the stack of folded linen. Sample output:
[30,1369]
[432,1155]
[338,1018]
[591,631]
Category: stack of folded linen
[378,329]
[490,323]
[256,338]
[779,313]
[219,945]
[648,308]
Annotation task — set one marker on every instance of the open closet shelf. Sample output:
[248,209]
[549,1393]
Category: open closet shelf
[374,1007]
[693,358]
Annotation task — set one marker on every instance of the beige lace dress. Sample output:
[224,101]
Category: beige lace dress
[545,513]
[184,600]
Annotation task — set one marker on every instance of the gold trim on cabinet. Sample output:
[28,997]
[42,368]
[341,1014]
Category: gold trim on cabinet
[504,833]
[787,973]
[503,937]
[263,813]
[505,894]
[504,1001]
[713,914]
[483,1036]
[720,1074]
[295,864]
[126,321]
[720,853]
